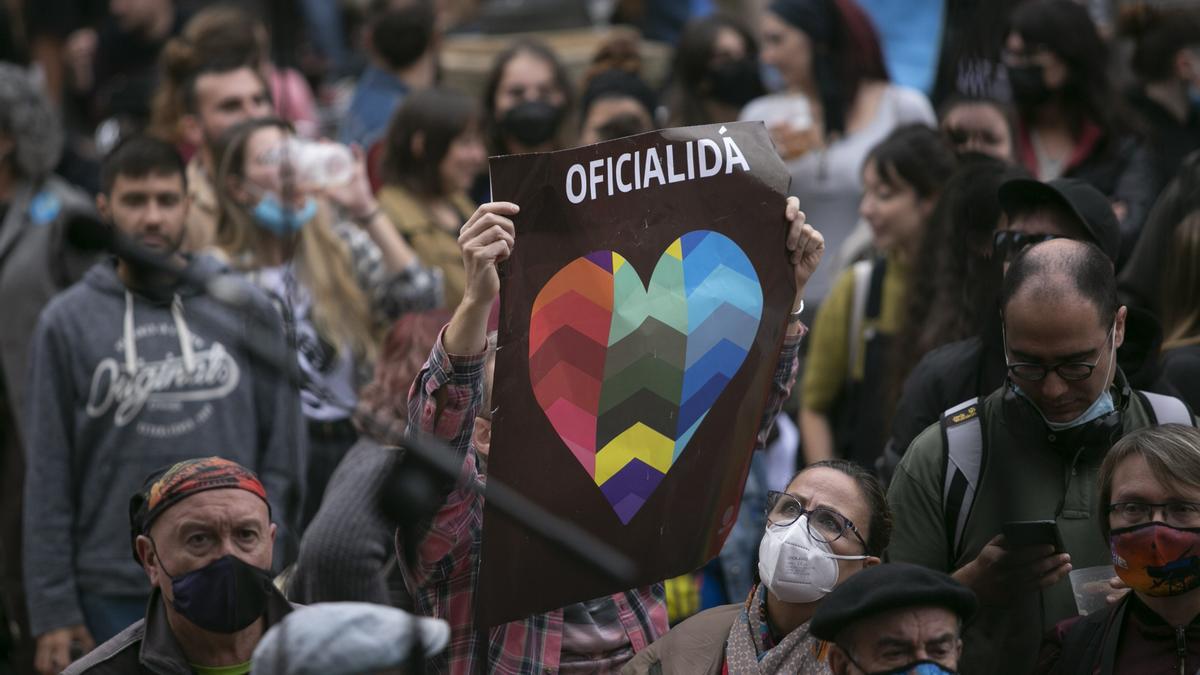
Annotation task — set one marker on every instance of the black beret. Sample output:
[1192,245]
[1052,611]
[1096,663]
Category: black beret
[886,587]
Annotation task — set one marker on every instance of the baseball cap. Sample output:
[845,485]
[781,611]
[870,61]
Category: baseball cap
[1088,204]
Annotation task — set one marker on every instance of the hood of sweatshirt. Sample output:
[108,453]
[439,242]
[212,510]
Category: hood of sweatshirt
[103,278]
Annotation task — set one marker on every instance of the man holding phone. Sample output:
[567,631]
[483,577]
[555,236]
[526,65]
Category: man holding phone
[969,489]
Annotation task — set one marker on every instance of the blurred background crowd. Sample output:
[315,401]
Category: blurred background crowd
[898,121]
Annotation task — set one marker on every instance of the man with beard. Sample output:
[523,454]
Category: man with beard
[132,369]
[217,96]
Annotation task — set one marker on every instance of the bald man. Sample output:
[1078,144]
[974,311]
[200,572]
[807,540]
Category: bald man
[1027,452]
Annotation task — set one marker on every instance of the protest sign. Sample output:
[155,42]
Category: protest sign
[641,316]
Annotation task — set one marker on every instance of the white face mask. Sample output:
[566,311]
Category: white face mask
[796,567]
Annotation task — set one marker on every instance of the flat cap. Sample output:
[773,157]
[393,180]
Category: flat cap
[886,587]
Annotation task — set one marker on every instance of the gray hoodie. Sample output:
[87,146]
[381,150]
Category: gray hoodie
[121,385]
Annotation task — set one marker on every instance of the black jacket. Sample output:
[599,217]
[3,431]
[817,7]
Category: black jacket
[149,646]
[1117,638]
[1138,282]
[1168,140]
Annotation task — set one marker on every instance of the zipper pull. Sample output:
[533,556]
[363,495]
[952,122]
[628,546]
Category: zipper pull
[1181,648]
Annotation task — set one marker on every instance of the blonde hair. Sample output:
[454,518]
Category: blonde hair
[1181,285]
[341,311]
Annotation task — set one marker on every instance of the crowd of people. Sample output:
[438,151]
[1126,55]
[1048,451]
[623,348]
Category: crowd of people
[247,250]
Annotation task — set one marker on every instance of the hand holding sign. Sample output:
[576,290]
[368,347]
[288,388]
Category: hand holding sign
[486,239]
[805,247]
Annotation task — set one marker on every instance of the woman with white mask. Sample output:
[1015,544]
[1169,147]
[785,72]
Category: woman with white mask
[831,522]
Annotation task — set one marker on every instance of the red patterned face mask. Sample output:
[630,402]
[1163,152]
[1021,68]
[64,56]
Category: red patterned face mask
[1157,559]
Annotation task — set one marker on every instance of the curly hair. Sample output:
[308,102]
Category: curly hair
[955,289]
[382,411]
[28,119]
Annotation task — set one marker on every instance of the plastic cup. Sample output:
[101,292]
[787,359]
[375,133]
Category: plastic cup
[1091,589]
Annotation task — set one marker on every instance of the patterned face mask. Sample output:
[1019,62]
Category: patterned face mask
[1157,559]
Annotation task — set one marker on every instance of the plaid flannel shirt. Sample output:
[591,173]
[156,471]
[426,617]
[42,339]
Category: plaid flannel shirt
[444,401]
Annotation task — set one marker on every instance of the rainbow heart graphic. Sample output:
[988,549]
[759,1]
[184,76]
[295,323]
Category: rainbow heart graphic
[626,373]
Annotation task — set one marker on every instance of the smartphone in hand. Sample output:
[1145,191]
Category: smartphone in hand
[1025,533]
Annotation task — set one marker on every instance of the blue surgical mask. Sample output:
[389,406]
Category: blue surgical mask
[923,667]
[772,79]
[1102,406]
[271,216]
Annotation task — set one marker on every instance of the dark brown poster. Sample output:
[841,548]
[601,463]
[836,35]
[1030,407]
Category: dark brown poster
[641,316]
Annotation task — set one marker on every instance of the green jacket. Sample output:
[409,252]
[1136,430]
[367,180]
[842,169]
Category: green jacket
[1028,473]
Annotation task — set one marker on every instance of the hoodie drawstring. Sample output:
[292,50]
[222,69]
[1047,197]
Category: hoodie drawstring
[130,340]
[185,335]
[181,329]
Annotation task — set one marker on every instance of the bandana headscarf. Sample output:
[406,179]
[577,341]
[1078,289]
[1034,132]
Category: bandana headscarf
[164,489]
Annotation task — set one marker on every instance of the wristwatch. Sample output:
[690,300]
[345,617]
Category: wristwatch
[794,317]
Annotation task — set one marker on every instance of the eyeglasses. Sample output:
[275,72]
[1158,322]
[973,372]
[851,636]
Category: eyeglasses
[1006,244]
[1176,514]
[1036,372]
[824,524]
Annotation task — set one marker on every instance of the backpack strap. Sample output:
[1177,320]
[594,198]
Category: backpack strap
[858,312]
[1166,409]
[868,305]
[874,307]
[962,436]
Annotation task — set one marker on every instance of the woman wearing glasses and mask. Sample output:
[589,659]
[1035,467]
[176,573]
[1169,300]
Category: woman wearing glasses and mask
[1149,489]
[832,522]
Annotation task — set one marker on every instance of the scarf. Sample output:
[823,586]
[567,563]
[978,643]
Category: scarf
[747,651]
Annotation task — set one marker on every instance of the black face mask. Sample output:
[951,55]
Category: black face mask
[1028,85]
[736,83]
[532,123]
[225,596]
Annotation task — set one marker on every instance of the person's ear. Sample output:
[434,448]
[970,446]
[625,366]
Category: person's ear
[1185,65]
[237,191]
[416,145]
[103,207]
[871,561]
[958,649]
[839,661]
[925,206]
[271,534]
[189,129]
[147,555]
[1119,327]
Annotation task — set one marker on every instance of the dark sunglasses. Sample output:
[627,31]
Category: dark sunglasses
[1006,244]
